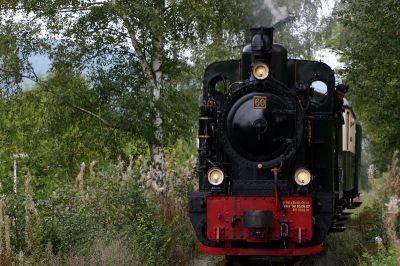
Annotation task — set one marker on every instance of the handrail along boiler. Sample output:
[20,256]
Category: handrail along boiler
[278,163]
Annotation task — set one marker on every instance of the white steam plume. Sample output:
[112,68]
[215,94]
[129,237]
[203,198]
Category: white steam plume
[278,12]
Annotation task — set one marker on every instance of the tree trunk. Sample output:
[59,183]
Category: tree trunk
[152,71]
[159,178]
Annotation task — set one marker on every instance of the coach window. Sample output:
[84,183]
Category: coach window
[349,132]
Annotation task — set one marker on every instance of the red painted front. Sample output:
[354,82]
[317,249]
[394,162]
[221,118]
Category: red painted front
[222,210]
[263,252]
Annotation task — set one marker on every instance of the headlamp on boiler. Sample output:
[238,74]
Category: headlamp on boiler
[215,176]
[302,177]
[260,71]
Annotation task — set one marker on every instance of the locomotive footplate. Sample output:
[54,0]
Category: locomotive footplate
[259,219]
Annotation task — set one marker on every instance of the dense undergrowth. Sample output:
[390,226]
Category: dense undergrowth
[373,232]
[106,217]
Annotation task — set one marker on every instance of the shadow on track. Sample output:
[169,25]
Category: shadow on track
[262,261]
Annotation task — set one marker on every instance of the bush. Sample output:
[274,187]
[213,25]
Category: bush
[382,258]
[106,221]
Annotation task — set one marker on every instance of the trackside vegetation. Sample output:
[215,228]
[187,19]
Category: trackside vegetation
[103,217]
[372,236]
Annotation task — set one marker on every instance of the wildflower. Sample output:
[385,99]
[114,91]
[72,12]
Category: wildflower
[392,206]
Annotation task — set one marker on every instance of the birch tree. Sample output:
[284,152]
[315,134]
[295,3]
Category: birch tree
[133,49]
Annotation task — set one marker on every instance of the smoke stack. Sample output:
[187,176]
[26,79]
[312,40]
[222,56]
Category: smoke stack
[261,43]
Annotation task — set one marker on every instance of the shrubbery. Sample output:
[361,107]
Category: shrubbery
[378,223]
[104,219]
[384,257]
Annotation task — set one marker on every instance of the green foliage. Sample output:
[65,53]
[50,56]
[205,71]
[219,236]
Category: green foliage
[72,225]
[160,243]
[92,42]
[371,223]
[15,209]
[371,52]
[113,210]
[382,258]
[98,39]
[44,131]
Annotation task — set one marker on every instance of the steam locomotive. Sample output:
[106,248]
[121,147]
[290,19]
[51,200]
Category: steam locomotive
[279,154]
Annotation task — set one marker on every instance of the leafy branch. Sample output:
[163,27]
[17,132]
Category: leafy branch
[49,89]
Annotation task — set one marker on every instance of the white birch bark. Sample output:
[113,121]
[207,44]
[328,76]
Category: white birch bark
[153,72]
[15,176]
[159,178]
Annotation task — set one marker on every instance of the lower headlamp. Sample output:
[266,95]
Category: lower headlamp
[215,176]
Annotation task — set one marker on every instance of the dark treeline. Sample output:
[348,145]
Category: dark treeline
[368,37]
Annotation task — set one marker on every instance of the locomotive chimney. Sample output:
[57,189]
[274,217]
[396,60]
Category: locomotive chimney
[261,44]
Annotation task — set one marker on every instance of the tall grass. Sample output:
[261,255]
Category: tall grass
[385,209]
[5,246]
[106,217]
[33,225]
